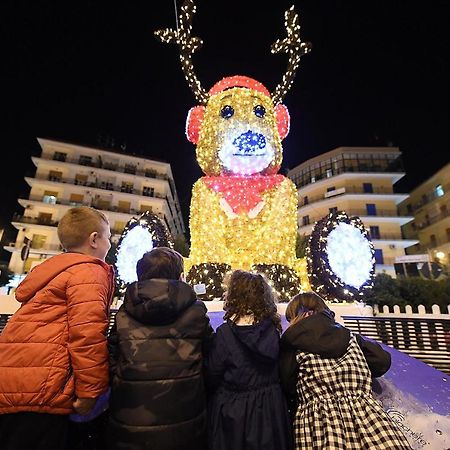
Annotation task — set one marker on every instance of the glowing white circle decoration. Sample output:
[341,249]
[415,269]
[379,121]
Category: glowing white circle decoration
[140,236]
[340,258]
[135,244]
[349,255]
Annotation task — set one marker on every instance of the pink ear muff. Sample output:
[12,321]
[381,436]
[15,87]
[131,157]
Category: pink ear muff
[194,122]
[283,120]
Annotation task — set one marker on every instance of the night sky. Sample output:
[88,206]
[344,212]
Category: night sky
[84,72]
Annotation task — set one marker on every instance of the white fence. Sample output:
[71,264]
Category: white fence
[395,311]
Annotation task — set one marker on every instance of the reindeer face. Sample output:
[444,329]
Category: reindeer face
[239,134]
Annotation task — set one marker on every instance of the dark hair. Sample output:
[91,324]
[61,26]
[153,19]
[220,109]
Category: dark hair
[303,304]
[249,294]
[161,262]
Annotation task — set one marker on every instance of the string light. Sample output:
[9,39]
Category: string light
[243,215]
[340,258]
[139,236]
[211,275]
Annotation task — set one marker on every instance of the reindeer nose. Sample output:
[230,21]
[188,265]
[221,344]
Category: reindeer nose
[249,142]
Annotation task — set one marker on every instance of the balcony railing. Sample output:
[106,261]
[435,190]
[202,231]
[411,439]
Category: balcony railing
[387,236]
[342,190]
[99,164]
[432,244]
[432,220]
[34,220]
[40,248]
[431,196]
[360,213]
[100,185]
[360,163]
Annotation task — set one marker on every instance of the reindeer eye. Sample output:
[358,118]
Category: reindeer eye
[259,110]
[227,111]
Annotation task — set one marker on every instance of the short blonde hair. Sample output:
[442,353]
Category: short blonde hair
[77,224]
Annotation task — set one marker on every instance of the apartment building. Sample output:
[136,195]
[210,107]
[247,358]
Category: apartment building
[429,203]
[358,180]
[68,175]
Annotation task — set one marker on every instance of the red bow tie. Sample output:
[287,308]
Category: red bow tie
[243,193]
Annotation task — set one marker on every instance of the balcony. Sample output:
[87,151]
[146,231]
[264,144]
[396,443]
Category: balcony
[99,164]
[37,249]
[34,220]
[341,191]
[101,185]
[430,197]
[346,163]
[386,237]
[432,220]
[94,204]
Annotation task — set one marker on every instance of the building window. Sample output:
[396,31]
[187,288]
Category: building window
[379,258]
[59,156]
[331,189]
[409,208]
[127,187]
[439,190]
[54,175]
[148,191]
[305,220]
[85,160]
[305,200]
[130,168]
[433,240]
[45,218]
[371,209]
[333,209]
[368,188]
[375,232]
[76,199]
[145,208]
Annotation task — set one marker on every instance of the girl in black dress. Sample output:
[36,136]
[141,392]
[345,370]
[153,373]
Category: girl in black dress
[247,409]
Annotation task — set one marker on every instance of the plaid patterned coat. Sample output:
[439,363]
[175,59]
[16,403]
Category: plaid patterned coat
[336,407]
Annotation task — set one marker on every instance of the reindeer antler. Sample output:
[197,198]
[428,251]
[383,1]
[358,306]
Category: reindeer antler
[188,46]
[293,46]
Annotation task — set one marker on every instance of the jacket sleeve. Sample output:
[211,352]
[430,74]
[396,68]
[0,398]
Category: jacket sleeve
[378,360]
[288,371]
[87,305]
[113,349]
[216,361]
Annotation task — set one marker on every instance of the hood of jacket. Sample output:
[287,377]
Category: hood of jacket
[158,301]
[42,274]
[261,339]
[318,334]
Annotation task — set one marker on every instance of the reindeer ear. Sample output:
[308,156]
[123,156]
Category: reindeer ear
[194,122]
[283,120]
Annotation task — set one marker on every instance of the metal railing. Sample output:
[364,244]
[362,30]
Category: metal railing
[101,185]
[424,339]
[348,190]
[98,164]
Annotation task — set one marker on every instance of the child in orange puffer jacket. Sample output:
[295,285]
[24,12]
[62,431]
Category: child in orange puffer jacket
[53,351]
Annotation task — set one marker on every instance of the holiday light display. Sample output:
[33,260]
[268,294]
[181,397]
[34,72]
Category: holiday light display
[211,275]
[340,258]
[140,235]
[243,215]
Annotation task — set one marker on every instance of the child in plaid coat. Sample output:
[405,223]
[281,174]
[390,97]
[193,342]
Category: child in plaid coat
[326,373]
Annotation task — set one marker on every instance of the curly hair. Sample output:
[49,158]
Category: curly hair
[249,294]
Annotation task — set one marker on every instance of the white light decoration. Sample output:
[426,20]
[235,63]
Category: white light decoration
[135,244]
[349,254]
[245,151]
[140,236]
[340,258]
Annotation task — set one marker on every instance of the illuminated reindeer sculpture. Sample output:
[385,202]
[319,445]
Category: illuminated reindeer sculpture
[243,213]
